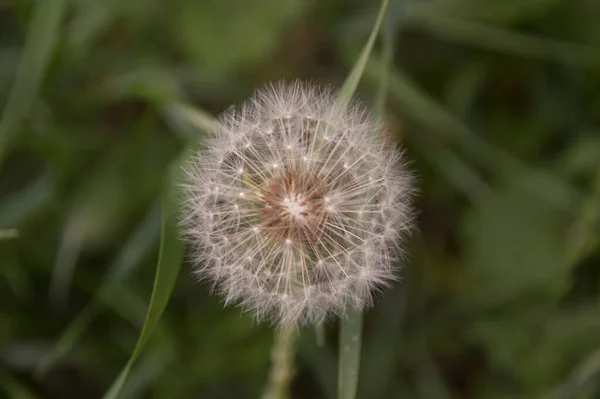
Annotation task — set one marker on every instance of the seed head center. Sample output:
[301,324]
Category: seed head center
[295,206]
[291,207]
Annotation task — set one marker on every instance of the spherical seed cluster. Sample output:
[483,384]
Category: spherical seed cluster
[296,208]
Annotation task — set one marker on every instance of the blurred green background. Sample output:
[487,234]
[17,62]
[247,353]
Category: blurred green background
[496,102]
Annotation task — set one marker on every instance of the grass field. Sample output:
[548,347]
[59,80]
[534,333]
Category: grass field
[496,103]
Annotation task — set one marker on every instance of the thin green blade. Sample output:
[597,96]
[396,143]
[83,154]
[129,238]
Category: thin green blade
[349,353]
[351,324]
[167,270]
[351,83]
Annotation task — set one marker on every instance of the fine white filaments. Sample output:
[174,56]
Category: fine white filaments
[296,209]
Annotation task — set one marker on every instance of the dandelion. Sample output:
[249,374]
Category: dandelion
[296,208]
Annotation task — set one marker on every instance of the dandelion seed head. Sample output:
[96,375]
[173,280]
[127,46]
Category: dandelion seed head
[297,209]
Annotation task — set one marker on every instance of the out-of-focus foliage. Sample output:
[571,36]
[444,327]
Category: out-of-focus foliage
[496,102]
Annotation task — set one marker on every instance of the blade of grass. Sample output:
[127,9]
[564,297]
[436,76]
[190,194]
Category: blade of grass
[187,120]
[388,34]
[583,377]
[133,308]
[151,367]
[66,261]
[351,83]
[159,88]
[171,248]
[382,87]
[349,353]
[351,325]
[167,270]
[380,353]
[40,42]
[6,234]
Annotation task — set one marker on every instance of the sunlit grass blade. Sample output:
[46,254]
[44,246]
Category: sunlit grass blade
[349,353]
[66,260]
[167,270]
[187,119]
[351,83]
[388,35]
[6,234]
[140,243]
[582,382]
[351,324]
[386,62]
[159,87]
[133,308]
[151,366]
[379,353]
[501,39]
[41,39]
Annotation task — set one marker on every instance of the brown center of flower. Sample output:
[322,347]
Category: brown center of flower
[292,208]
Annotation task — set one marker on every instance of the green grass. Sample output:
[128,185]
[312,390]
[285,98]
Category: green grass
[496,105]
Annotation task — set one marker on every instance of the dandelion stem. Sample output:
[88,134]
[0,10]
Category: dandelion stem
[282,364]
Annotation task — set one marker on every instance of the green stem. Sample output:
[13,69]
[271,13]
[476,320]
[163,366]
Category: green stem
[350,344]
[282,364]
